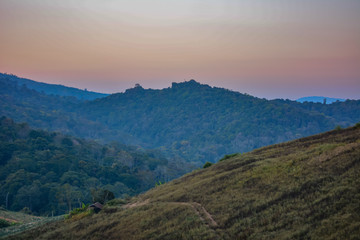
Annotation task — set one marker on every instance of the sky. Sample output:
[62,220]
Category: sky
[269,49]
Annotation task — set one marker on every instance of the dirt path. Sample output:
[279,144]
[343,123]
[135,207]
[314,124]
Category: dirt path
[204,215]
[210,219]
[136,204]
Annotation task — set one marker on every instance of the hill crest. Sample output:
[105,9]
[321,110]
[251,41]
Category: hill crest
[55,89]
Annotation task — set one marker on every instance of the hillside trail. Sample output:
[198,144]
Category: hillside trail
[136,204]
[204,215]
[200,211]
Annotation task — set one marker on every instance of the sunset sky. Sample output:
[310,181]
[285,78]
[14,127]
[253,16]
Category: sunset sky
[272,49]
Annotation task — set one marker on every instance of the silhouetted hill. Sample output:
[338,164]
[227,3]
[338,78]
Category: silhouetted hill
[303,189]
[54,89]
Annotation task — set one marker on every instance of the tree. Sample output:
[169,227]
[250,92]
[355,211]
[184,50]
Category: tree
[102,195]
[68,196]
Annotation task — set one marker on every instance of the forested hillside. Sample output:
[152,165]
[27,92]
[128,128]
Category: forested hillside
[187,121]
[304,189]
[47,172]
[203,123]
[52,89]
[50,112]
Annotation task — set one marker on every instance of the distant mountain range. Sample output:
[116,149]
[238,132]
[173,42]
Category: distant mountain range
[54,89]
[188,121]
[318,99]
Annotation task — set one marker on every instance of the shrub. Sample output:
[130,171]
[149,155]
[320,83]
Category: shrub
[81,215]
[159,183]
[4,223]
[207,164]
[102,195]
[116,202]
[78,213]
[26,210]
[228,156]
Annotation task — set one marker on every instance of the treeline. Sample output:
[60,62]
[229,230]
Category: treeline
[50,173]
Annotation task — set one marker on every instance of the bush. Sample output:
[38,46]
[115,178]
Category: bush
[79,213]
[102,195]
[159,183]
[207,164]
[228,156]
[116,202]
[4,223]
[26,210]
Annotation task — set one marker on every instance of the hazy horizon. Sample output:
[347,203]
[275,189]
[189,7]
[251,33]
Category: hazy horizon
[277,49]
[310,96]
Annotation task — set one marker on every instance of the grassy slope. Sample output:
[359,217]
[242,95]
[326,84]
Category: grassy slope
[21,221]
[308,188]
[17,217]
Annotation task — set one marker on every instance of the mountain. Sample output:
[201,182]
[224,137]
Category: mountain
[303,189]
[203,123]
[50,173]
[317,99]
[53,89]
[48,112]
[187,121]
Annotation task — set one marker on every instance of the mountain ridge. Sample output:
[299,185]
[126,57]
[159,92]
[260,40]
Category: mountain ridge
[189,109]
[55,89]
[189,121]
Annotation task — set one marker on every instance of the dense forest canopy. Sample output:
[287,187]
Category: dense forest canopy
[202,123]
[50,172]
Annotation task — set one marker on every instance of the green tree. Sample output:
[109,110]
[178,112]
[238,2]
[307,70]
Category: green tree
[102,195]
